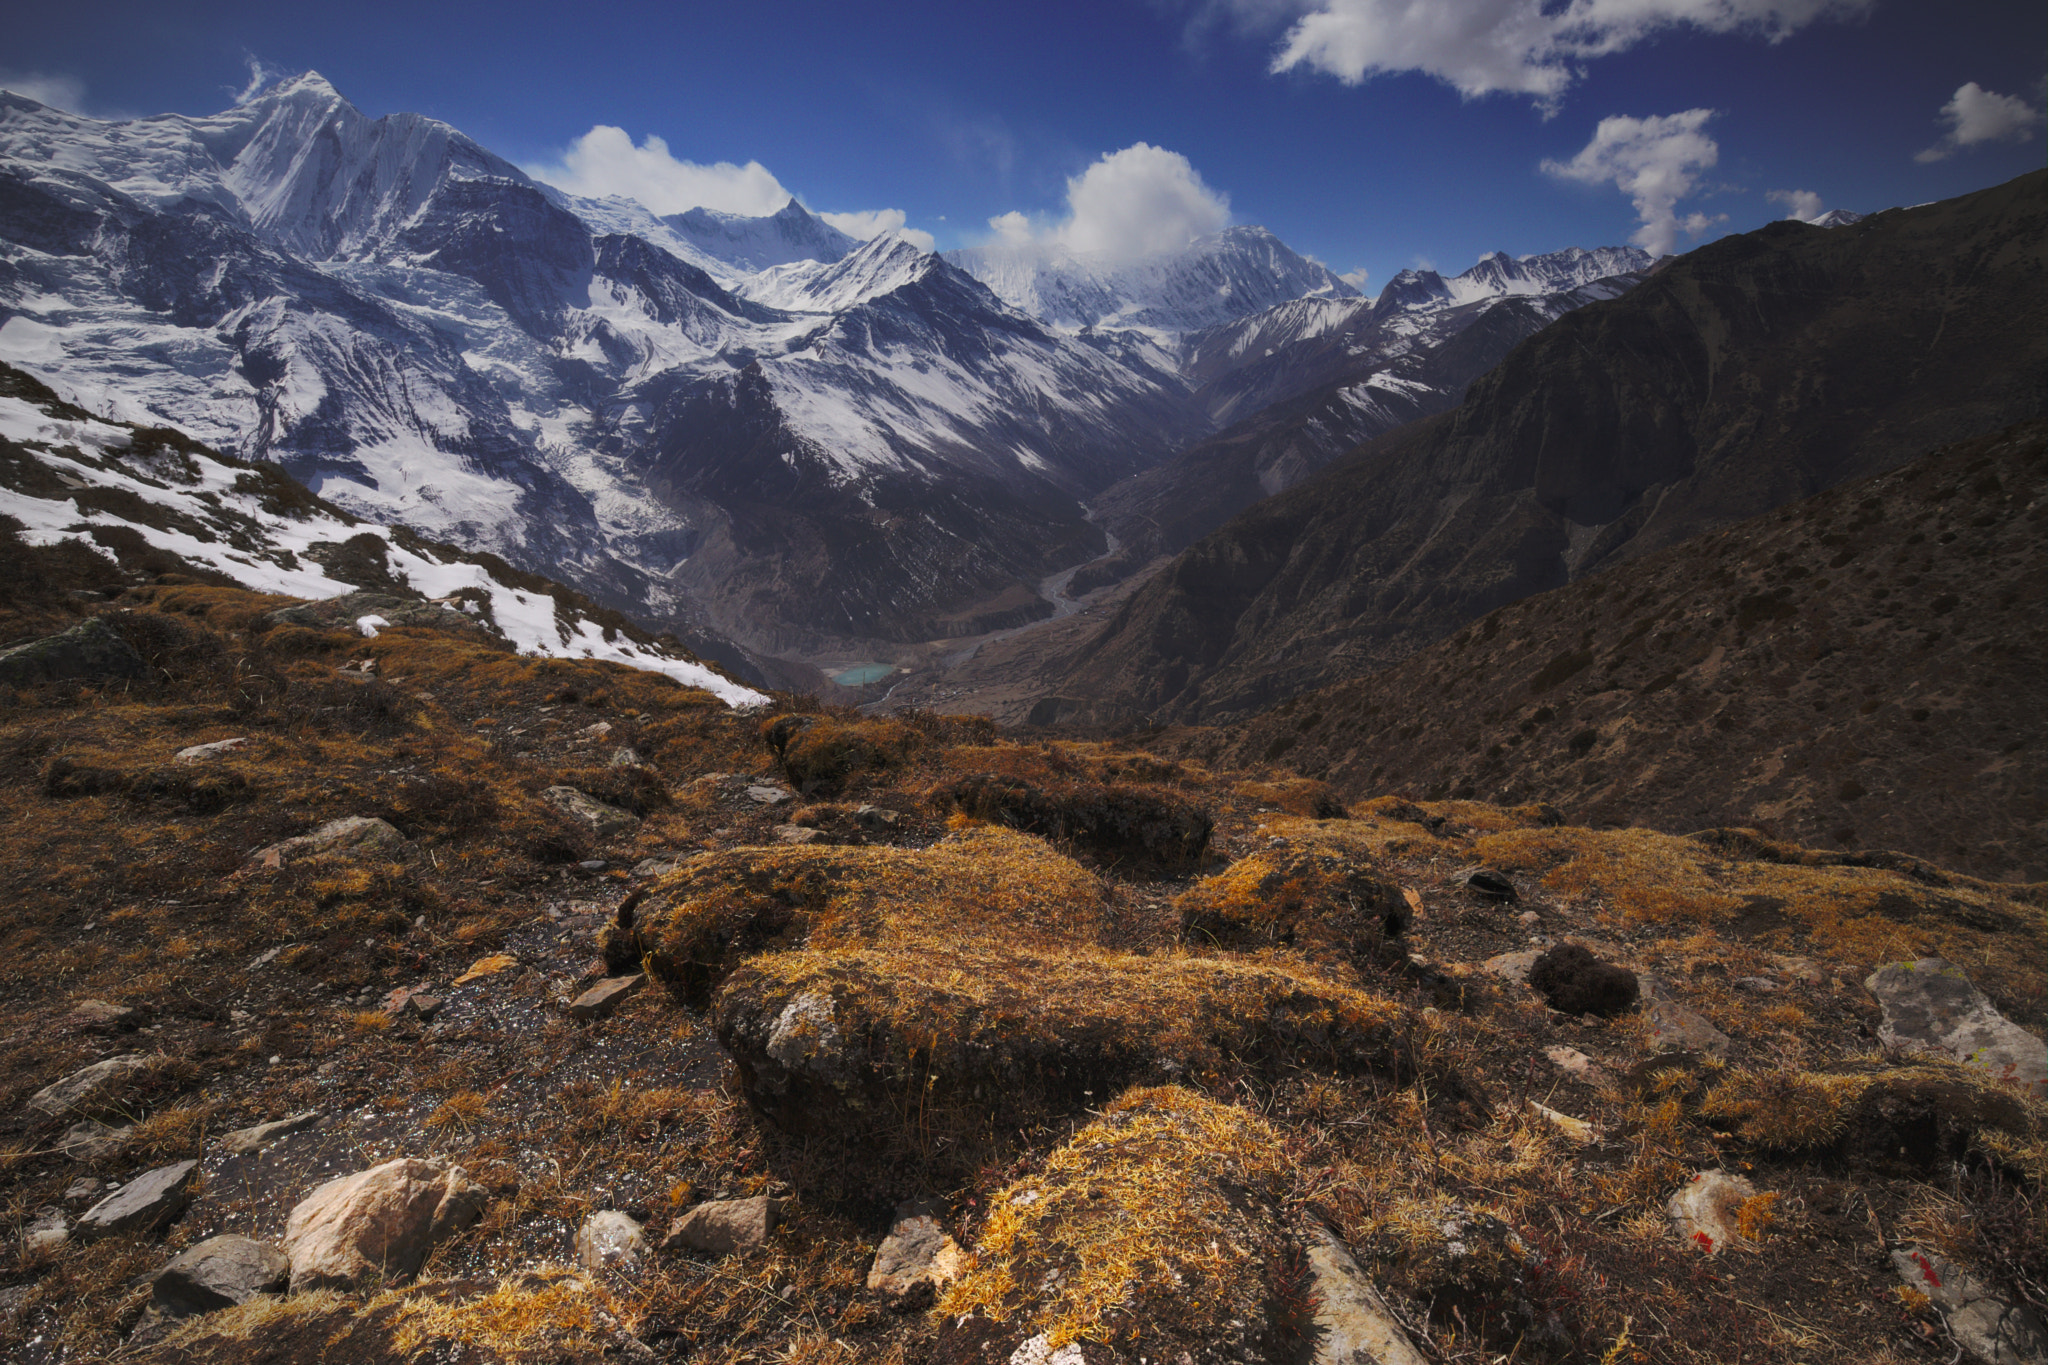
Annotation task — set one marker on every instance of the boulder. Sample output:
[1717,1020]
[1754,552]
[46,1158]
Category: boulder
[89,651]
[609,1240]
[1487,884]
[1673,1027]
[1353,1323]
[102,1016]
[606,996]
[1513,966]
[355,834]
[603,821]
[379,1223]
[219,1272]
[143,1205]
[258,1136]
[722,1227]
[89,1088]
[916,1259]
[91,1140]
[1984,1322]
[1703,1211]
[1932,1006]
[770,796]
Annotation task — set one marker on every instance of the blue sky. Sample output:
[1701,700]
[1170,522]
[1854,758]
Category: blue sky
[1369,142]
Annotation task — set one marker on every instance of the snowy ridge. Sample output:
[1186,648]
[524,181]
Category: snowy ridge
[751,245]
[216,515]
[1214,280]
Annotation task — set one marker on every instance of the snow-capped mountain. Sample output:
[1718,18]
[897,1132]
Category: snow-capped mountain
[426,335]
[1837,218]
[1214,280]
[751,244]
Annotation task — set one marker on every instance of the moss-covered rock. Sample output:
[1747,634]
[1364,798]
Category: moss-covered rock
[1315,885]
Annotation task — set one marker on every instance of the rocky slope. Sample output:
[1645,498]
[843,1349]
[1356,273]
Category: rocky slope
[1864,669]
[956,1049]
[1751,372]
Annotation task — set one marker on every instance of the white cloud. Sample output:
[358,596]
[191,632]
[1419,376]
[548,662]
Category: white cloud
[57,91]
[261,75]
[1521,47]
[1356,278]
[875,222]
[1805,205]
[1135,202]
[1654,161]
[1979,115]
[605,162]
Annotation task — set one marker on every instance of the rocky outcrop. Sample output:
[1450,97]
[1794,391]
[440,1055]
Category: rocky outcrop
[90,651]
[1930,1005]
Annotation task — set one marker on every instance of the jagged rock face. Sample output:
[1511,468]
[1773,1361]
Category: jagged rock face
[1756,370]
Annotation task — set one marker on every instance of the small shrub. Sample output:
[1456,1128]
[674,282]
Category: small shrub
[1113,822]
[1576,982]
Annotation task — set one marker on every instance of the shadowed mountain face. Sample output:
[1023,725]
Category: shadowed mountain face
[1864,669]
[1751,373]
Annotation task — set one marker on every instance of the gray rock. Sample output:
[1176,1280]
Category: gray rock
[342,613]
[1513,966]
[1931,1006]
[797,834]
[1487,884]
[219,1272]
[606,996]
[657,867]
[89,1088]
[1984,1322]
[1353,1323]
[142,1206]
[609,1240]
[722,1227]
[770,796]
[261,1135]
[916,1259]
[1703,1210]
[82,1189]
[603,821]
[90,650]
[354,833]
[199,753]
[625,757]
[49,1230]
[92,1140]
[1675,1028]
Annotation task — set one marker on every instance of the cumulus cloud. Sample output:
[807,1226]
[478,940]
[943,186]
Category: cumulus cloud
[1654,161]
[1135,202]
[605,162]
[1978,115]
[875,222]
[56,90]
[1805,205]
[1519,47]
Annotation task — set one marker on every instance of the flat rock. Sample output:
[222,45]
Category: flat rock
[90,650]
[1513,966]
[606,996]
[220,748]
[378,1224]
[603,821]
[1984,1322]
[89,1087]
[770,796]
[102,1016]
[1572,1062]
[258,1136]
[721,1227]
[1353,1324]
[351,834]
[1703,1211]
[143,1205]
[916,1259]
[1673,1027]
[92,1140]
[1931,1005]
[219,1272]
[82,1189]
[609,1240]
[797,834]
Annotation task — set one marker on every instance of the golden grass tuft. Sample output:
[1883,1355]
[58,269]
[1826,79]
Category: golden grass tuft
[1128,1234]
[1312,883]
